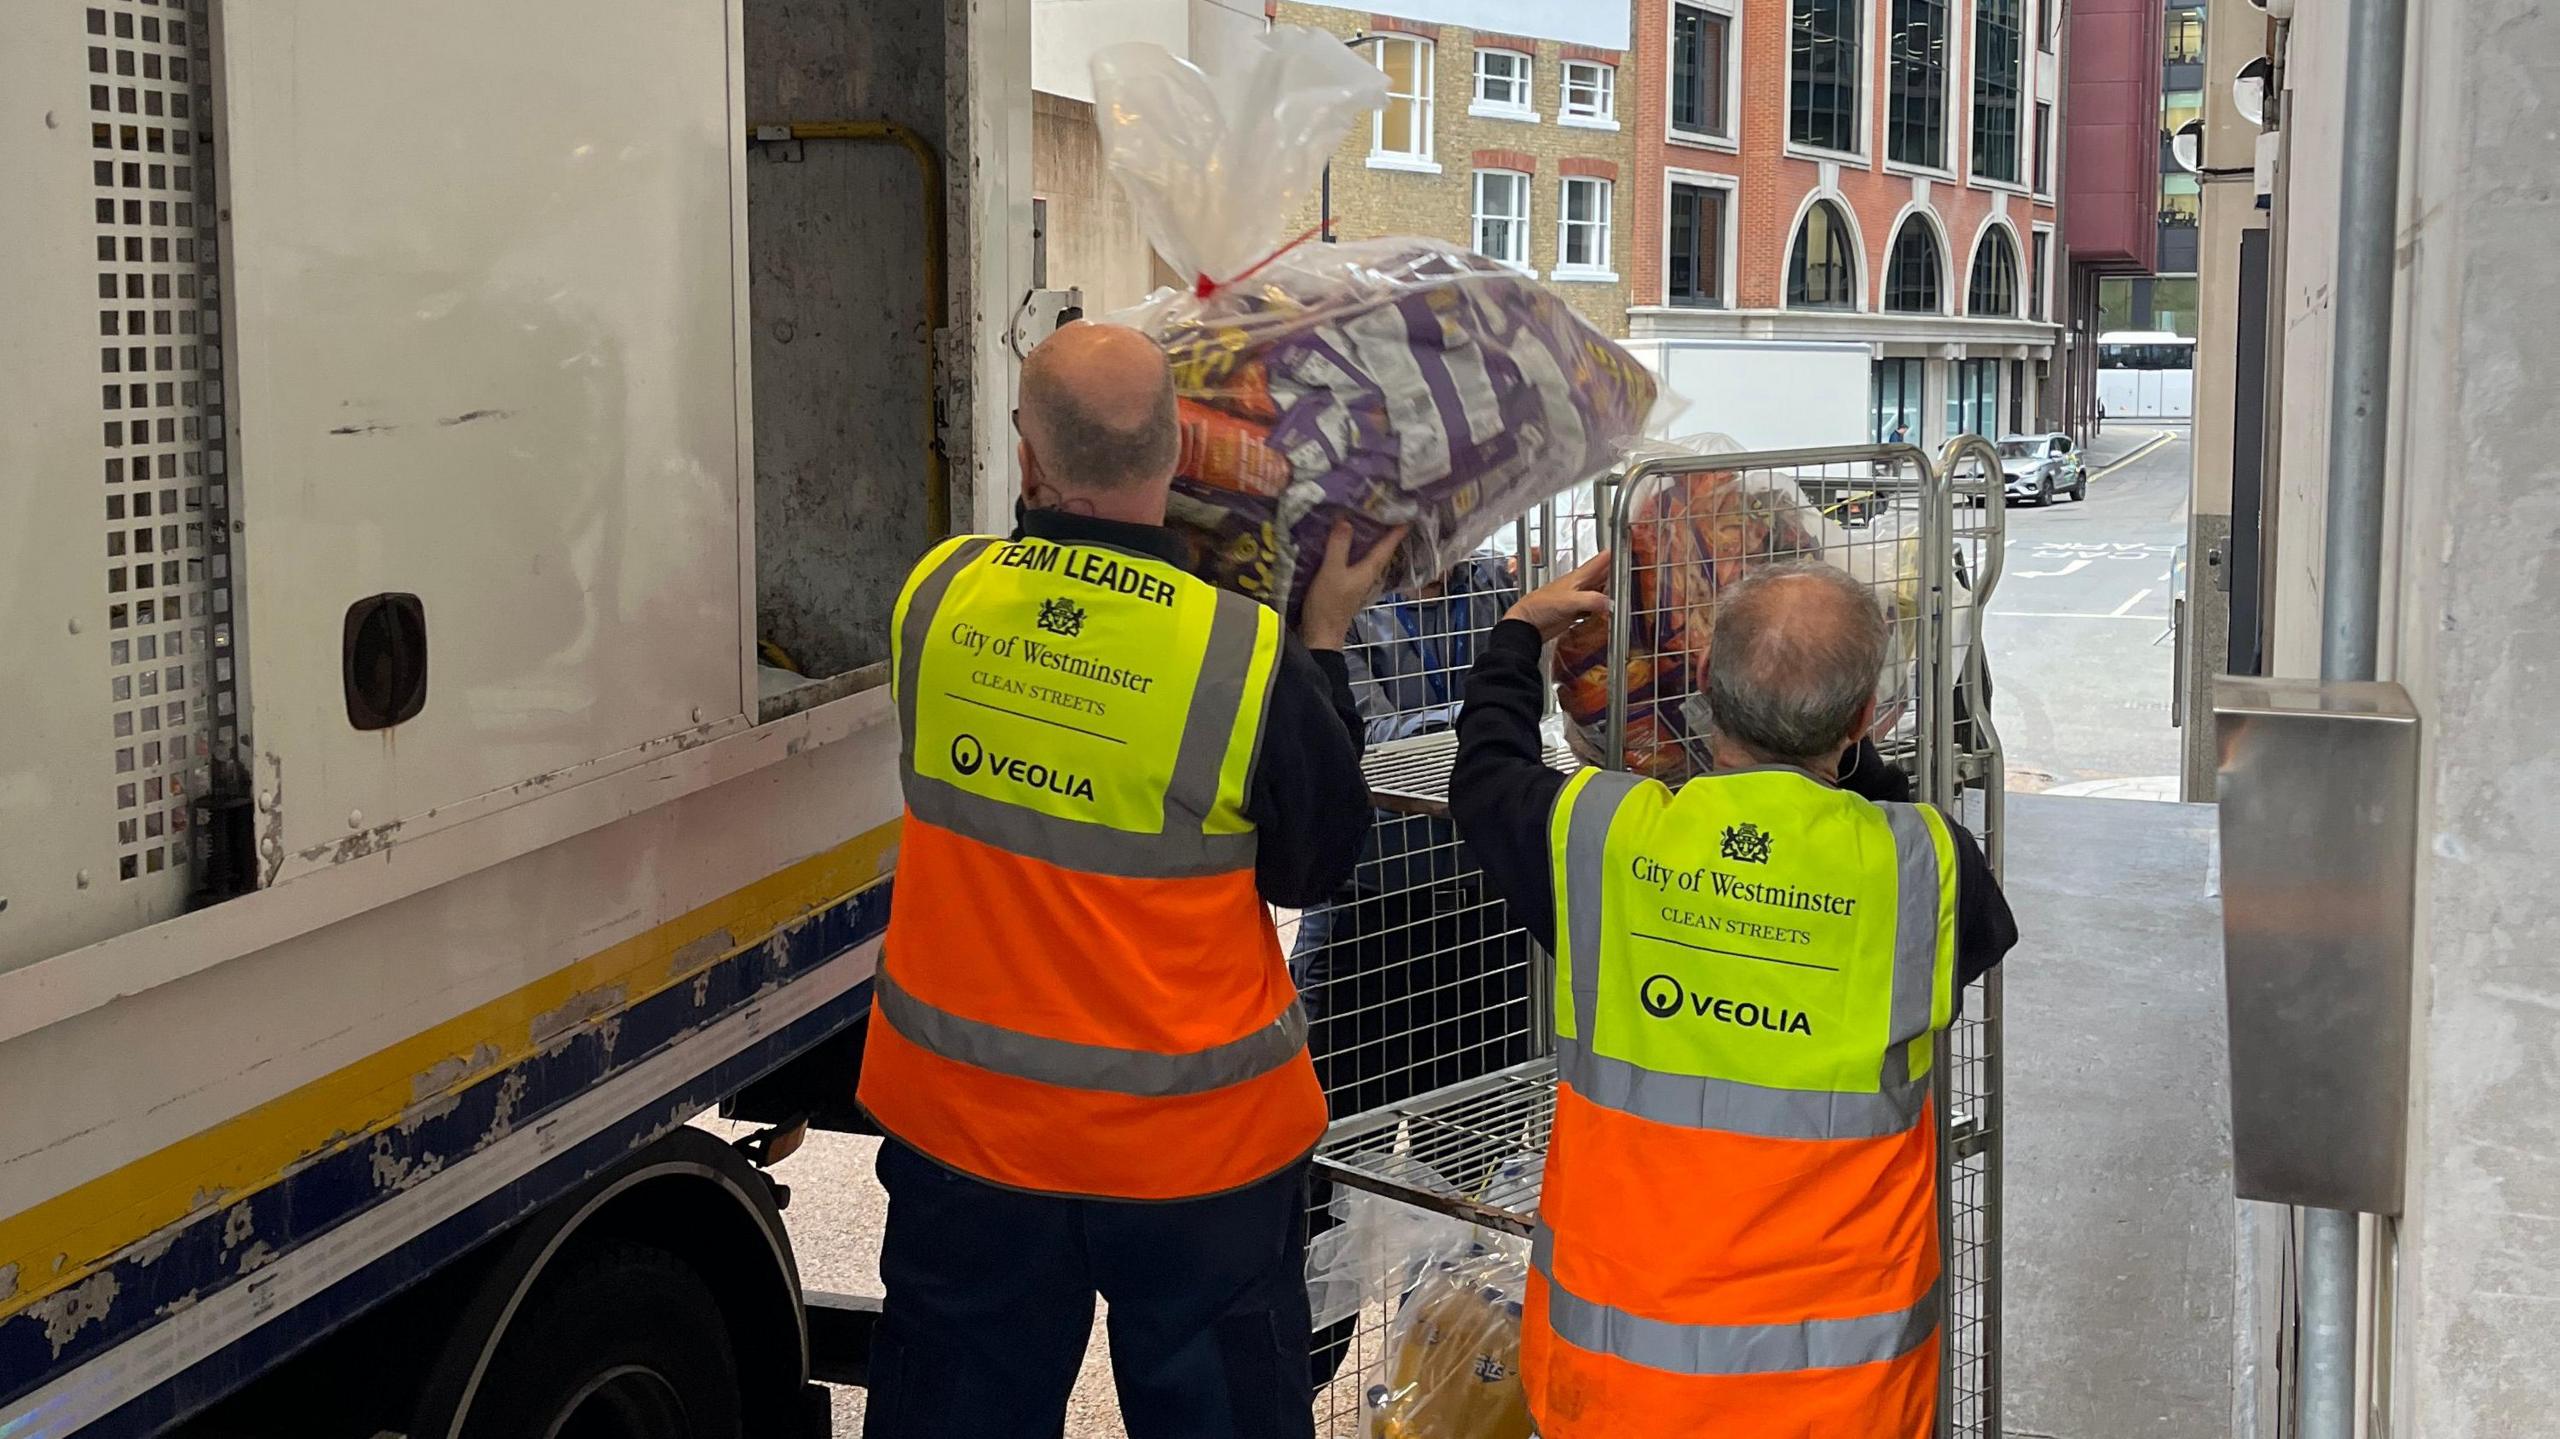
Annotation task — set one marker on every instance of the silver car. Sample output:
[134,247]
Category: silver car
[2039,467]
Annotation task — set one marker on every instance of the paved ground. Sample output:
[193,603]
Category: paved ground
[2120,1220]
[2079,626]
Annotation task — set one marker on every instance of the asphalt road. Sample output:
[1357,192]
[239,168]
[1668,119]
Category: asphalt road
[2078,628]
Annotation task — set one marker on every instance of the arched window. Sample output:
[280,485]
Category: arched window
[1912,281]
[1820,275]
[1993,289]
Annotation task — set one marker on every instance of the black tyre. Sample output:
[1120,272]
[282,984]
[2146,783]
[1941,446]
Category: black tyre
[2044,492]
[2080,488]
[623,1342]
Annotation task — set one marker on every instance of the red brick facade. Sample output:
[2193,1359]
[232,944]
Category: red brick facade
[1520,160]
[1380,23]
[1774,187]
[1599,169]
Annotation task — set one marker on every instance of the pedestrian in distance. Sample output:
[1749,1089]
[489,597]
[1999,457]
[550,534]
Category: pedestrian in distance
[1085,1049]
[1738,1232]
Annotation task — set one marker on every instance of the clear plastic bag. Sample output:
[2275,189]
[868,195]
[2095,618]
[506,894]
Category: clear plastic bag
[1691,537]
[1388,382]
[1453,1352]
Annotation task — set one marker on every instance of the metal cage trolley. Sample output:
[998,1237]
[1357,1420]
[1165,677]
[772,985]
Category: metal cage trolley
[1461,1125]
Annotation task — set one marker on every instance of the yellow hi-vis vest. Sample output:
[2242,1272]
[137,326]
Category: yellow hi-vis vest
[1081,991]
[1738,1232]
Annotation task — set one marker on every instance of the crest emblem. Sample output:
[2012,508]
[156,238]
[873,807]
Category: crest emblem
[1747,843]
[1061,616]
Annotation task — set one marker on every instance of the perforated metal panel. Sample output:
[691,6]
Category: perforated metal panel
[164,503]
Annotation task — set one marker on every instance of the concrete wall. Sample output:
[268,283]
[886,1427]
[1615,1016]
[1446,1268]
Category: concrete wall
[2235,35]
[2467,598]
[1094,243]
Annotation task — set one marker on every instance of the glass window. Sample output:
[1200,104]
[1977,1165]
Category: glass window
[1693,272]
[1993,289]
[1820,275]
[2044,148]
[1911,280]
[1403,126]
[1502,79]
[1823,74]
[1584,242]
[1996,89]
[1898,400]
[1916,95]
[1502,216]
[1973,398]
[1590,90]
[2036,277]
[1699,37]
[2177,108]
[2181,200]
[2186,37]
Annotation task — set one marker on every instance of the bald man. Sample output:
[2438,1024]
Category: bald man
[1738,1230]
[1086,1052]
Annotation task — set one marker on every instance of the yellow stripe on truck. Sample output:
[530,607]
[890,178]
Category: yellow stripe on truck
[58,1242]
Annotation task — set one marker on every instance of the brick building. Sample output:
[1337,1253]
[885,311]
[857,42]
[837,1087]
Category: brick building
[1510,141]
[1845,198]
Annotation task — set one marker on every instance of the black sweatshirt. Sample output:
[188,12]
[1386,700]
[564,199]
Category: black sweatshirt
[1309,804]
[1502,796]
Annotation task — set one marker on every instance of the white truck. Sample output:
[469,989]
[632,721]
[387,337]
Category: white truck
[456,464]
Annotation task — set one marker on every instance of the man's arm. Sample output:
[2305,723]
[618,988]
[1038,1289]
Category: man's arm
[1310,803]
[1501,792]
[1985,929]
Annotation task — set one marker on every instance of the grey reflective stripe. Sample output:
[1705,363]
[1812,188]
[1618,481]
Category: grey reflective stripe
[1075,844]
[1730,1349]
[1069,1065]
[912,634]
[1586,855]
[1915,935]
[1216,700]
[1730,1106]
[1181,851]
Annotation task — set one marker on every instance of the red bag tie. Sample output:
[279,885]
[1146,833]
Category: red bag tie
[1203,287]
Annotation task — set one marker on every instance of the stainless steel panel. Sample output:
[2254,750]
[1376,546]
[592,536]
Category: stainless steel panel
[2319,788]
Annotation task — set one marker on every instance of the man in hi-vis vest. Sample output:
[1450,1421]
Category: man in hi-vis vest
[1738,1234]
[1085,1050]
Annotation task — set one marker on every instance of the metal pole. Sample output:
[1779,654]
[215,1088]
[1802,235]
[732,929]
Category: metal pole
[2351,588]
[1324,207]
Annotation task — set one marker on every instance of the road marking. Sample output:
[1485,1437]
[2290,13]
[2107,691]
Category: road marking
[2155,442]
[2138,597]
[2065,615]
[2070,569]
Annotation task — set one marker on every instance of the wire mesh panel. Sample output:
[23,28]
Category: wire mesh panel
[1442,1080]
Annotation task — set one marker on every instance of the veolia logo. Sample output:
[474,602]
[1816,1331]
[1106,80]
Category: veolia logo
[969,755]
[1661,995]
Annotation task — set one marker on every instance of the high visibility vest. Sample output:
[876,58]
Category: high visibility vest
[1738,1233]
[1081,991]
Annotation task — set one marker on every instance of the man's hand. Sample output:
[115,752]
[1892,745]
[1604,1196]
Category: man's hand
[1568,600]
[1343,587]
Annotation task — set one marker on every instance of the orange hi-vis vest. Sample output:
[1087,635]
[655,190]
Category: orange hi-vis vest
[1081,992]
[1738,1233]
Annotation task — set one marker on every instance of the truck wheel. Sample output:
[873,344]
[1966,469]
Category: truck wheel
[624,1342]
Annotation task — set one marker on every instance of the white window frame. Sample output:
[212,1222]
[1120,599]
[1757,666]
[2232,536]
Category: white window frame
[1523,184]
[2052,253]
[1426,62]
[1521,109]
[1605,272]
[1730,142]
[1727,250]
[1605,81]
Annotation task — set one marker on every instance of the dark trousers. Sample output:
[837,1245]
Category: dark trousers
[990,1307]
